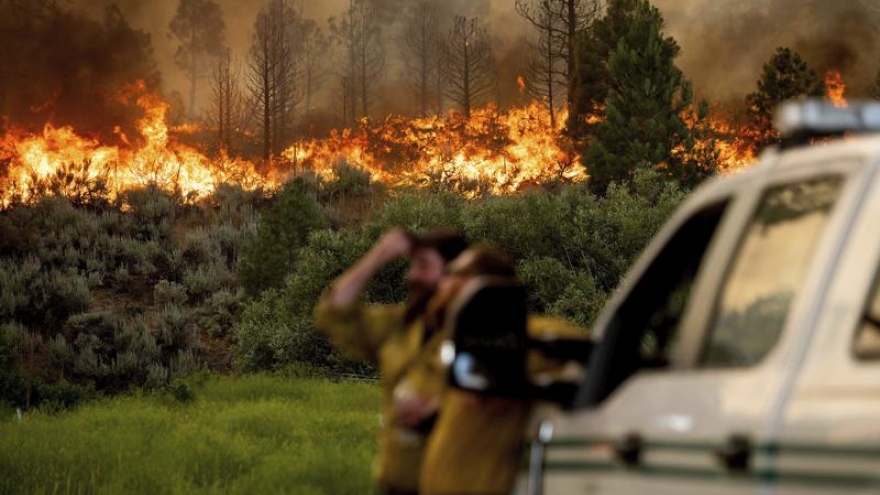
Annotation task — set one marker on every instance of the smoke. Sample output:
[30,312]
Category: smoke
[154,17]
[725,44]
[62,68]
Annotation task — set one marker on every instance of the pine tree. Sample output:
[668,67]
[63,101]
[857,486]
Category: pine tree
[646,102]
[591,78]
[284,228]
[785,76]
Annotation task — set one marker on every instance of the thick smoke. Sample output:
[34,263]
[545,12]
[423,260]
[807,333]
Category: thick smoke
[725,43]
[63,68]
[507,28]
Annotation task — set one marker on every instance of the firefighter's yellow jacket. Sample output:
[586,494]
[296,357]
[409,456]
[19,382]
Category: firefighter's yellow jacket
[378,333]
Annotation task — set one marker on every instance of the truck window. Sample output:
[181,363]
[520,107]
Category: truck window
[643,330]
[867,342]
[767,272]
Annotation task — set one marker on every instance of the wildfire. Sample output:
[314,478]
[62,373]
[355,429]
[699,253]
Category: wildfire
[835,88]
[499,151]
[158,159]
[492,152]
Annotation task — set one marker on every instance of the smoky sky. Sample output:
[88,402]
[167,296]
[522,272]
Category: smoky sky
[723,43]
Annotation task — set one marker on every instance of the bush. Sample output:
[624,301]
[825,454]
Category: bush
[220,312]
[166,292]
[270,336]
[151,212]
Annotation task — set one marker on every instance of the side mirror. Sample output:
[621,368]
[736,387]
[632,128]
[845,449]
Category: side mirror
[491,353]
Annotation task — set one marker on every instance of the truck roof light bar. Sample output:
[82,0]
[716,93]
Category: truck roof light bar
[799,120]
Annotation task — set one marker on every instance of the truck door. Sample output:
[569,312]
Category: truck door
[829,440]
[690,360]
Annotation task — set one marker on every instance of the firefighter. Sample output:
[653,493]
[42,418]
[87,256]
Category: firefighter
[397,339]
[477,442]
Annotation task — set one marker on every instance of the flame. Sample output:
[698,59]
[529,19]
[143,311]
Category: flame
[492,152]
[521,84]
[734,151]
[835,88]
[501,152]
[156,158]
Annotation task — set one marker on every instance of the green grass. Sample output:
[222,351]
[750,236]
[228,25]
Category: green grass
[248,435]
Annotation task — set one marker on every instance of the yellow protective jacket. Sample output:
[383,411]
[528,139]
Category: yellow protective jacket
[377,333]
[477,443]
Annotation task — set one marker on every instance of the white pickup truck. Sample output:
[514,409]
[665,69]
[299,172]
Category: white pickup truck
[741,354]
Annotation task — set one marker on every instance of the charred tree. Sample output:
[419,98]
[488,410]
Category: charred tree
[557,23]
[358,36]
[227,101]
[468,64]
[275,72]
[314,48]
[421,50]
[199,28]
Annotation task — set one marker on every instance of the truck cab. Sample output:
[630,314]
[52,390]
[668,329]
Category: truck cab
[741,353]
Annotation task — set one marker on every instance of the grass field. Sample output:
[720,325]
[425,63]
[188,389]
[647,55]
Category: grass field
[247,435]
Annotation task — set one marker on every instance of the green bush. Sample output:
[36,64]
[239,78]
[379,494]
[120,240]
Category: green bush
[219,313]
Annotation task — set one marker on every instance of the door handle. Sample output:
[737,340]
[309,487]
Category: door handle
[736,454]
[629,449]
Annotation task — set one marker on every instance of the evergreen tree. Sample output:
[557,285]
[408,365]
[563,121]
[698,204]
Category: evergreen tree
[591,77]
[646,105]
[284,228]
[785,76]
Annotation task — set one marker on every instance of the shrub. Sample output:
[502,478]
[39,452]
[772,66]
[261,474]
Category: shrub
[165,292]
[220,312]
[270,336]
[207,279]
[415,210]
[524,226]
[150,212]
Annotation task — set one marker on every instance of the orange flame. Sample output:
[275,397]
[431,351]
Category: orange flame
[159,160]
[835,88]
[492,152]
[500,151]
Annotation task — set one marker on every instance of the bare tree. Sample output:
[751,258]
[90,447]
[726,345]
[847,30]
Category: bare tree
[421,50]
[545,71]
[275,72]
[558,23]
[314,48]
[227,101]
[199,27]
[468,64]
[359,36]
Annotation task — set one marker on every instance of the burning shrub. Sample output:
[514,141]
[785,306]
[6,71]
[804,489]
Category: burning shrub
[74,181]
